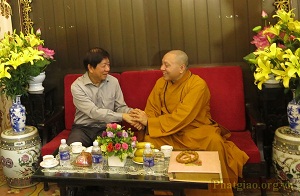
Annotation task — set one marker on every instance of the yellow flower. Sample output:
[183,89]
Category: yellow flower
[3,72]
[282,75]
[262,72]
[284,16]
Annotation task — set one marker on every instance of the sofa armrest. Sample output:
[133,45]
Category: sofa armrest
[257,127]
[52,125]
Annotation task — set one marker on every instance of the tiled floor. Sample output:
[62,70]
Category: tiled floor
[251,187]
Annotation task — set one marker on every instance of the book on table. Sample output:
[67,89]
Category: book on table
[207,168]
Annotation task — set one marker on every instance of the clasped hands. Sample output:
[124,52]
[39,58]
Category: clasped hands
[136,118]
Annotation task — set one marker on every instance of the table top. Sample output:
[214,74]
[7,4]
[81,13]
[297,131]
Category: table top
[131,175]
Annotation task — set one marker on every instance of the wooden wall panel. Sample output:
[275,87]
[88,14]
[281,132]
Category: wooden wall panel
[74,27]
[91,20]
[189,30]
[86,27]
[240,28]
[137,33]
[176,24]
[116,33]
[228,17]
[202,29]
[152,35]
[129,48]
[140,33]
[164,31]
[61,51]
[215,31]
[103,21]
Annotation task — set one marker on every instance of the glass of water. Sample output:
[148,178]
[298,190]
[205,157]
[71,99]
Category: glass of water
[159,163]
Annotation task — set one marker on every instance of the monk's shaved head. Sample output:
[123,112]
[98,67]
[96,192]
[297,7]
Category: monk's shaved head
[181,57]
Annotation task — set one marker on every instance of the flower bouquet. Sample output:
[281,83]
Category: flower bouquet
[21,58]
[115,141]
[277,52]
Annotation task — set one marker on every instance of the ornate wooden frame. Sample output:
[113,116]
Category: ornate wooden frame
[5,9]
[25,9]
[283,4]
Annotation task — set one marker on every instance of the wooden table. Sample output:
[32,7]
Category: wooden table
[130,177]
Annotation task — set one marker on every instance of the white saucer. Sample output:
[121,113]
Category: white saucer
[56,162]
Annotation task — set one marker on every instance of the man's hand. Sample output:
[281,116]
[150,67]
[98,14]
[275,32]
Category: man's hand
[127,118]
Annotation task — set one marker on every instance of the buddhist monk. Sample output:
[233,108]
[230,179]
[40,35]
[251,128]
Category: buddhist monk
[177,113]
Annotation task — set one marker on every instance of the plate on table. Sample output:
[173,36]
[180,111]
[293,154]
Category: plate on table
[140,163]
[55,163]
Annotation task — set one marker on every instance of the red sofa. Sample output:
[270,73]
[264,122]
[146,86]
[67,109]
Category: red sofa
[228,107]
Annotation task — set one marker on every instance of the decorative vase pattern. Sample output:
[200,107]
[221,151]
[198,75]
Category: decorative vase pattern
[17,114]
[286,160]
[19,156]
[115,161]
[293,114]
[36,84]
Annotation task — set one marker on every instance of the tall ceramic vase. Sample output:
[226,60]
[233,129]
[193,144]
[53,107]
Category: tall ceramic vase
[36,84]
[17,114]
[20,148]
[293,113]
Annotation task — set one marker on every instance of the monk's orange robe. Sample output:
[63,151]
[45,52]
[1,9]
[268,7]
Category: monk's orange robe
[179,115]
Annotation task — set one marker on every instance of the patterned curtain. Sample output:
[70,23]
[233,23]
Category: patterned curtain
[5,26]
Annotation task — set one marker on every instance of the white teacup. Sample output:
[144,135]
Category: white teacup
[48,160]
[166,149]
[76,147]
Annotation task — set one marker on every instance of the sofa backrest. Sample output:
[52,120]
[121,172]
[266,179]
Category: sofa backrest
[137,85]
[227,101]
[68,98]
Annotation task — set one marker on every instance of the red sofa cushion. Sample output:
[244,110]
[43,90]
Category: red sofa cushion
[51,146]
[227,95]
[244,141]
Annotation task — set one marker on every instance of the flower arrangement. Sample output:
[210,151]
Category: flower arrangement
[22,57]
[115,141]
[277,52]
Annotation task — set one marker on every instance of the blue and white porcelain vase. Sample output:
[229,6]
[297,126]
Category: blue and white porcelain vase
[17,114]
[293,113]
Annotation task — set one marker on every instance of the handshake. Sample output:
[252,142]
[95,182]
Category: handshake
[136,118]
